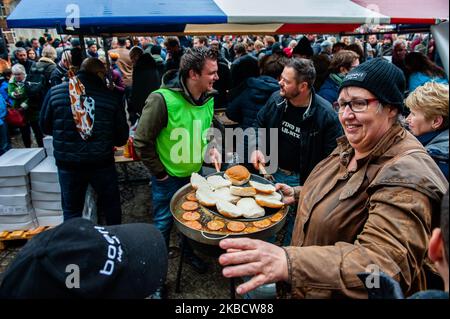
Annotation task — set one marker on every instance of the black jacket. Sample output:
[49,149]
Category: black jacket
[45,66]
[146,79]
[319,129]
[58,76]
[254,94]
[110,125]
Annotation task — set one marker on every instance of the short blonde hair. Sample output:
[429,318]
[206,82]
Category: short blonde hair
[259,44]
[49,52]
[432,100]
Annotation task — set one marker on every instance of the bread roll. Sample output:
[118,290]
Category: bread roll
[274,196]
[228,210]
[249,208]
[268,202]
[238,175]
[198,181]
[263,188]
[225,194]
[205,196]
[217,182]
[243,191]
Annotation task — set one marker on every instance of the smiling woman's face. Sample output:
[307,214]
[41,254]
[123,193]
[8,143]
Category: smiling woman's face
[364,129]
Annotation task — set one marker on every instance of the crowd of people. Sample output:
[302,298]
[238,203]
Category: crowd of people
[362,142]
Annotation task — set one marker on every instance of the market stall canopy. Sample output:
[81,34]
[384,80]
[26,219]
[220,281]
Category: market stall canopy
[221,16]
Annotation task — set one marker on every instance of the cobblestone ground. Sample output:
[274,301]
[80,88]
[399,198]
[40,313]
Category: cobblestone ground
[136,207]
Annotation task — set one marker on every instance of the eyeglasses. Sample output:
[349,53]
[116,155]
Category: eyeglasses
[357,106]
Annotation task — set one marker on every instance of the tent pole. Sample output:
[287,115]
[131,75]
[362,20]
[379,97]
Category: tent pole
[83,46]
[108,63]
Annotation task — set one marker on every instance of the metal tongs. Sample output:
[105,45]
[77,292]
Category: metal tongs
[262,171]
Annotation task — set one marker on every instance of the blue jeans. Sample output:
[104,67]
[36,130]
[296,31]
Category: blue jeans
[291,180]
[4,139]
[162,193]
[74,184]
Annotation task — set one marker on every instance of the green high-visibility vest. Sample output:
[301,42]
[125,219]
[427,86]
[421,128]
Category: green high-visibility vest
[182,144]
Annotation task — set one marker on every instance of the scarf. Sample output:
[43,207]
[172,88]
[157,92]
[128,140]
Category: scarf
[337,78]
[83,108]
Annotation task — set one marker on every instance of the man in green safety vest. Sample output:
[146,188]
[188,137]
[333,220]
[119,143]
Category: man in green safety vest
[171,135]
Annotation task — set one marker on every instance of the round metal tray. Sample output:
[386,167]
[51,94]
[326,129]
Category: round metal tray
[209,237]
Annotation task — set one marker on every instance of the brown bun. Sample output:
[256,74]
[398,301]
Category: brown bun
[238,175]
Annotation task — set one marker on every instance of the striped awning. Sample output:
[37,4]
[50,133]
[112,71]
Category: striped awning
[222,16]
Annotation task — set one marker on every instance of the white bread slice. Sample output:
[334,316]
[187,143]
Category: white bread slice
[217,182]
[249,208]
[268,202]
[198,181]
[227,209]
[224,193]
[235,181]
[206,196]
[274,196]
[243,191]
[263,188]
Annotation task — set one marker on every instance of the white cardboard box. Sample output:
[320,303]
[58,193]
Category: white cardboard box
[15,200]
[14,181]
[56,205]
[19,226]
[36,195]
[16,219]
[46,212]
[15,210]
[11,190]
[50,220]
[46,187]
[20,161]
[46,171]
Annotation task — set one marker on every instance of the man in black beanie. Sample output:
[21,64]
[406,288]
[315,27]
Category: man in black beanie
[303,49]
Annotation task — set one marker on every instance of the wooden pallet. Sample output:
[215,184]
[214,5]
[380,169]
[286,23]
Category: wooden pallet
[19,235]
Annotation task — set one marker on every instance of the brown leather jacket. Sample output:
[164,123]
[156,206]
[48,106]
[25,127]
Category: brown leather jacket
[380,215]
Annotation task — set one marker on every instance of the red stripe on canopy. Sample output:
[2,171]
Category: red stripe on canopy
[409,11]
[316,28]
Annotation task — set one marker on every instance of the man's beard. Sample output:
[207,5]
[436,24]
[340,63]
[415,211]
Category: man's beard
[291,95]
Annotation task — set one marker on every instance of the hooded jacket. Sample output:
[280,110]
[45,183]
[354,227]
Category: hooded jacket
[436,144]
[252,98]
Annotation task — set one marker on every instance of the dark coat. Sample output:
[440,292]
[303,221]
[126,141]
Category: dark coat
[329,90]
[243,68]
[223,84]
[110,125]
[146,79]
[319,129]
[58,76]
[253,96]
[45,67]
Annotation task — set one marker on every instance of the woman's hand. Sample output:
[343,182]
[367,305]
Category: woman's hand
[288,193]
[267,263]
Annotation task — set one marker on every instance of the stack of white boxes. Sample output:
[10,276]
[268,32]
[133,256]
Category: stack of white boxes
[16,212]
[45,189]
